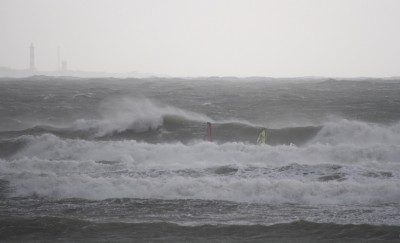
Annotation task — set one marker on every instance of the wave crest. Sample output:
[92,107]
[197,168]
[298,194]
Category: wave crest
[357,133]
[140,115]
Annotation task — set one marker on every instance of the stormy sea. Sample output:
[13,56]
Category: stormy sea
[130,160]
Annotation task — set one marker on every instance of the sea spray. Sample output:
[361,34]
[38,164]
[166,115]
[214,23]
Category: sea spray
[111,159]
[140,115]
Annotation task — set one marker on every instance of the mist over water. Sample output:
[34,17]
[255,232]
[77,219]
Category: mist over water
[132,155]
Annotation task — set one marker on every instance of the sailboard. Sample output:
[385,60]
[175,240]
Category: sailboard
[209,138]
[262,137]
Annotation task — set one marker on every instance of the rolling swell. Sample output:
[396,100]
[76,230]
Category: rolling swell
[177,129]
[65,229]
[10,147]
[42,129]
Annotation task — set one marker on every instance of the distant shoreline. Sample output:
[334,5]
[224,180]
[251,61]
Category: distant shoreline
[27,74]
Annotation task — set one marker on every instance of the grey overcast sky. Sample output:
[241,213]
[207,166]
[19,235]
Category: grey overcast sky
[275,38]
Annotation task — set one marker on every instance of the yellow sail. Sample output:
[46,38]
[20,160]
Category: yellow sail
[262,137]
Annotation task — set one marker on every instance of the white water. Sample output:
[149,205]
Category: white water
[123,113]
[360,165]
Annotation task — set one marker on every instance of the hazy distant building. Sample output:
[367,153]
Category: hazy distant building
[32,58]
[64,66]
[58,59]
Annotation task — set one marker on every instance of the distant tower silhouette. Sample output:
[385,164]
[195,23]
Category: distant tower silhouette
[58,58]
[64,66]
[32,58]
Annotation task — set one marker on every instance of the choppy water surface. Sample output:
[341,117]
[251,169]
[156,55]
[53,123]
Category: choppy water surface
[127,160]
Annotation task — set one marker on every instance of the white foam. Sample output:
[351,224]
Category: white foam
[239,189]
[359,133]
[205,154]
[62,168]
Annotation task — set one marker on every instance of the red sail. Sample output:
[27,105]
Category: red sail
[209,131]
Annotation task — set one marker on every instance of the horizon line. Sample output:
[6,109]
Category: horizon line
[30,73]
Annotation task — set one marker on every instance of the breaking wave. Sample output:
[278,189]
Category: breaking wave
[138,115]
[54,167]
